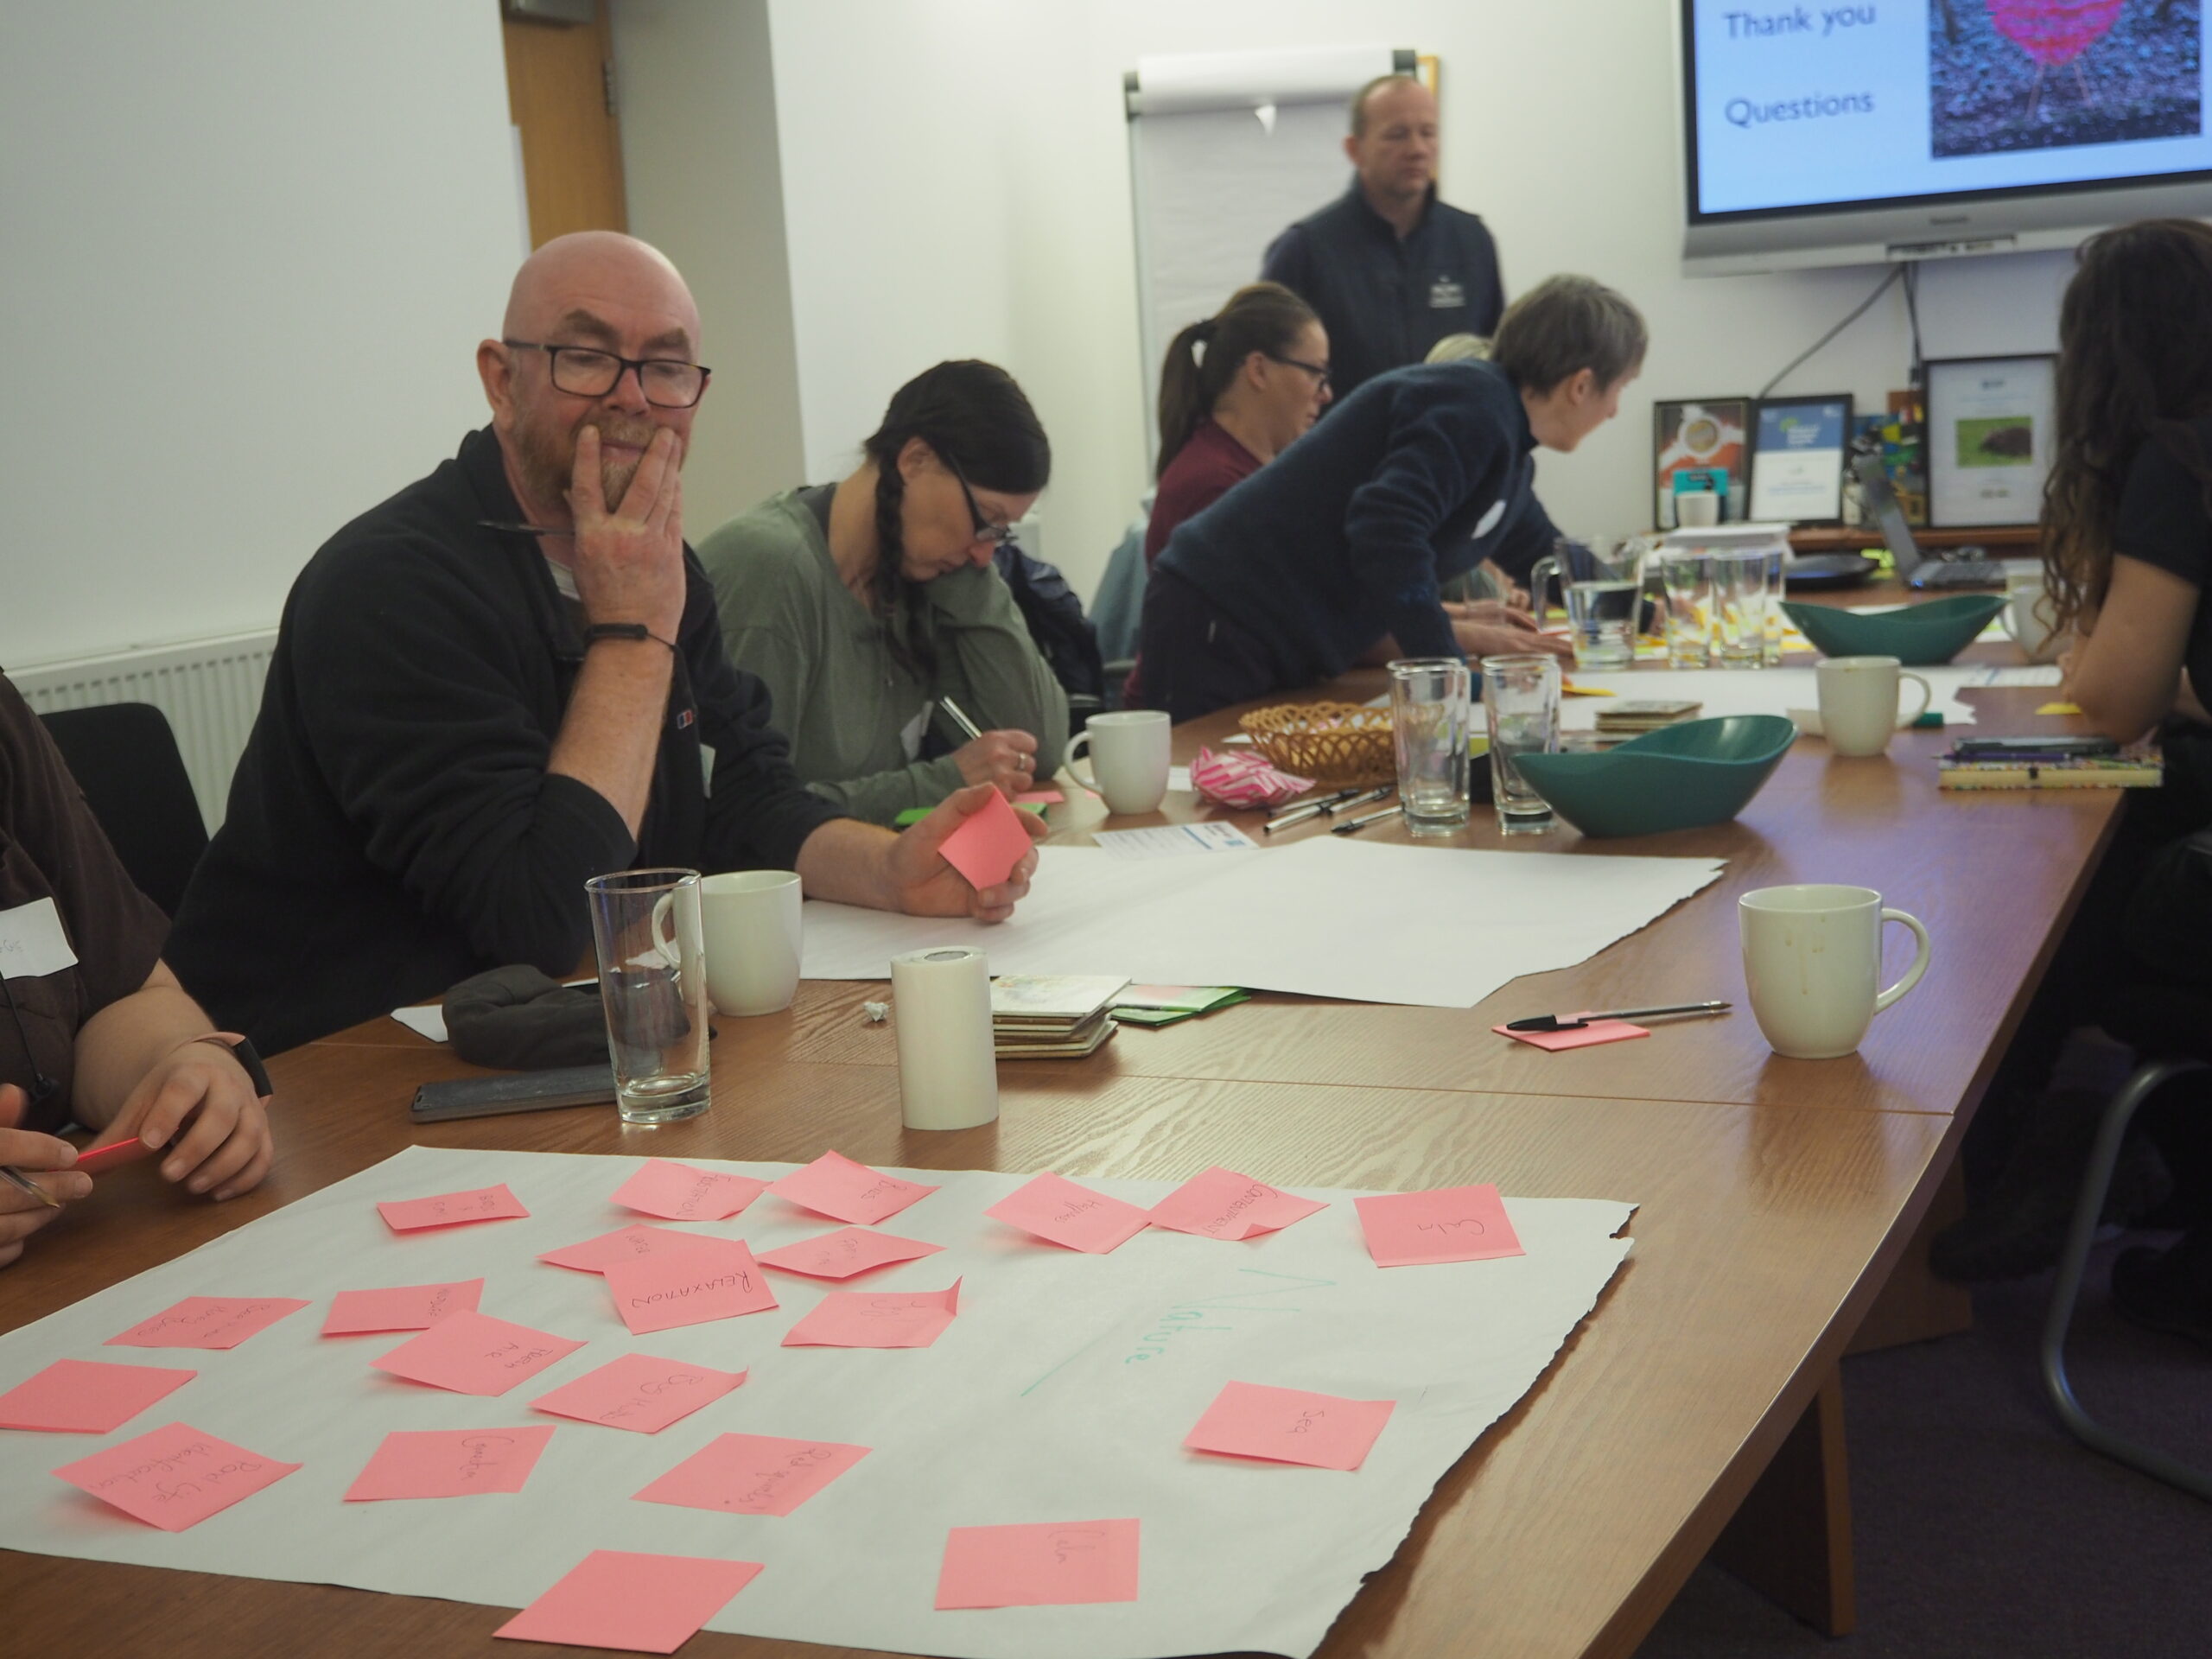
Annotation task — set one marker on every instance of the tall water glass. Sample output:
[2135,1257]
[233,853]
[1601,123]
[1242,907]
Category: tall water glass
[1521,706]
[1430,717]
[1776,559]
[1739,607]
[653,978]
[1687,578]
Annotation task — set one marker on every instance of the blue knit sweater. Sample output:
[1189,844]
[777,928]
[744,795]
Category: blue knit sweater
[1415,478]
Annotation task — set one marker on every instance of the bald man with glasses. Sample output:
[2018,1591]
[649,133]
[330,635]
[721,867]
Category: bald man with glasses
[508,678]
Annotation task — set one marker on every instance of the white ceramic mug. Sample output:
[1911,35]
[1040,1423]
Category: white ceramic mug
[1697,509]
[1812,961]
[752,939]
[1129,755]
[2028,614]
[1858,701]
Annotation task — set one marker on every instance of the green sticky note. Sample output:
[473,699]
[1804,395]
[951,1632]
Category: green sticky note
[916,814]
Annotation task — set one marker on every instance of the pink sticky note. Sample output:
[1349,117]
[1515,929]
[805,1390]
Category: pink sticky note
[846,1253]
[638,1393]
[688,1286]
[175,1477]
[1448,1223]
[1597,1030]
[641,1603]
[1290,1426]
[1221,1204]
[988,843]
[679,1192]
[449,1463]
[404,1307]
[207,1322]
[1064,1213]
[835,1186]
[754,1474]
[1054,1565]
[624,1244]
[475,1353]
[1039,797]
[859,1319]
[86,1396]
[451,1209]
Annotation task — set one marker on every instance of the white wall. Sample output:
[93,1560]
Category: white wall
[955,183]
[250,247]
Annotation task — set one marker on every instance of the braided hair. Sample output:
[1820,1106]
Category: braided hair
[1263,317]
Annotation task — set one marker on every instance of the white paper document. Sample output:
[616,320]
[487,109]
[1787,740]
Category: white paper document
[1176,840]
[428,1020]
[1061,1392]
[32,942]
[1436,927]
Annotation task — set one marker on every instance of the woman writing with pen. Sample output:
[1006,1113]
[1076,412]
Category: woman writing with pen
[865,605]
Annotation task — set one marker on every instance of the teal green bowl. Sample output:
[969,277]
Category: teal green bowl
[1932,632]
[1679,777]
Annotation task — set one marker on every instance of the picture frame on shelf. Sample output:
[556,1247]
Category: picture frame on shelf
[1988,444]
[1700,435]
[1798,449]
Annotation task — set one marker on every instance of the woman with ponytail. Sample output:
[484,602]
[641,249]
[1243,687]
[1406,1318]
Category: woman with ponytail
[864,604]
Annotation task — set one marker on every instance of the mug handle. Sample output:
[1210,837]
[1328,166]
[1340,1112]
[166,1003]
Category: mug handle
[1927,702]
[1919,960]
[1080,741]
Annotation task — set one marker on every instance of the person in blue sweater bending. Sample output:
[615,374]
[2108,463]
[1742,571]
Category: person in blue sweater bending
[1336,552]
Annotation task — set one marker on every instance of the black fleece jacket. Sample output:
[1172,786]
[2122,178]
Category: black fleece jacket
[392,828]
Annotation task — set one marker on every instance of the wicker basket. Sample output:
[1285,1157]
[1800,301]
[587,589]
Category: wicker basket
[1336,743]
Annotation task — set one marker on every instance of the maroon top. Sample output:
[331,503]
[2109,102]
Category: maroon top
[1200,475]
[51,849]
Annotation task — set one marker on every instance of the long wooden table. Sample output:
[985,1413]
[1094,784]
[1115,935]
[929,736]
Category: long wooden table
[1778,1199]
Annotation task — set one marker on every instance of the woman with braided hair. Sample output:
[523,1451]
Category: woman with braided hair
[862,604]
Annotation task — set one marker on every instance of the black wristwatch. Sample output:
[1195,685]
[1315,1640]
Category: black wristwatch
[242,1051]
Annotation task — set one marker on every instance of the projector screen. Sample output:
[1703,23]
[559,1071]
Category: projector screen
[1840,130]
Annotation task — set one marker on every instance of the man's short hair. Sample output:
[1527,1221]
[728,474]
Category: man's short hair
[1359,98]
[1565,324]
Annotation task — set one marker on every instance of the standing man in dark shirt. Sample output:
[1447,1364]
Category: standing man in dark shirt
[1389,269]
[509,678]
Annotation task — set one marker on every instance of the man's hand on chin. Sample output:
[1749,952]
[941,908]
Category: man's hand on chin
[925,884]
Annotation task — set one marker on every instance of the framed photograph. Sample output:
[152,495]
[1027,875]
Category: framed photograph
[1700,435]
[1797,453]
[1989,436]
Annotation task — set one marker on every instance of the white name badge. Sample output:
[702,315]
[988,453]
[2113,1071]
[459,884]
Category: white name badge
[911,734]
[32,943]
[1488,522]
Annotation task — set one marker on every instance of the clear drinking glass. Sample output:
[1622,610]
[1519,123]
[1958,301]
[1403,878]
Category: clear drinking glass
[1739,607]
[1776,557]
[652,979]
[1602,592]
[1688,580]
[1521,707]
[1430,718]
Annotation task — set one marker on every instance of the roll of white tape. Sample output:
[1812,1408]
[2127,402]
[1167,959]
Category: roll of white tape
[948,1074]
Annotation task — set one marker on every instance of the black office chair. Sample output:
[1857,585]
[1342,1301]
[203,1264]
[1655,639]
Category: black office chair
[125,758]
[2174,1025]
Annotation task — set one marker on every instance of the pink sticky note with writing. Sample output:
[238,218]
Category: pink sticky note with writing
[688,1286]
[642,1604]
[860,1319]
[988,843]
[404,1307]
[754,1474]
[638,1393]
[1061,1212]
[1039,797]
[475,1353]
[449,1463]
[173,1476]
[680,1192]
[1597,1030]
[835,1186]
[1056,1564]
[1290,1426]
[1448,1223]
[86,1396]
[451,1209]
[1222,1203]
[207,1322]
[847,1252]
[624,1244]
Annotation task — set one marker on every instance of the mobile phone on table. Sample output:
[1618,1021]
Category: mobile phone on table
[1996,749]
[518,1091]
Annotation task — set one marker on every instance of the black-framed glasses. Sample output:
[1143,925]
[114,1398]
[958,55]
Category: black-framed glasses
[1318,371]
[997,535]
[586,372]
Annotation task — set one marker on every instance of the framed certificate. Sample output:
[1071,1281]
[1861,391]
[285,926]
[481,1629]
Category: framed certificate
[1706,435]
[1798,451]
[1989,438]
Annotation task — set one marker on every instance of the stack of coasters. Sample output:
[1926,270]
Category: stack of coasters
[1621,720]
[1163,1005]
[1050,1016]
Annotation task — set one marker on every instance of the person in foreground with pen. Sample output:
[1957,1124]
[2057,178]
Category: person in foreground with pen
[509,678]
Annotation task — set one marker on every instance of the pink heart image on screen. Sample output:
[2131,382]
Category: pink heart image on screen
[2053,32]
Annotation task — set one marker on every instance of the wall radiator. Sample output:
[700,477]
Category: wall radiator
[209,689]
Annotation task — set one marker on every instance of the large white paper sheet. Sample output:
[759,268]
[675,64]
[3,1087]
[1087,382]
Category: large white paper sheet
[1777,691]
[1061,1392]
[1367,921]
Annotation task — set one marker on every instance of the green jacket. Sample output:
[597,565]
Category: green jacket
[839,693]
